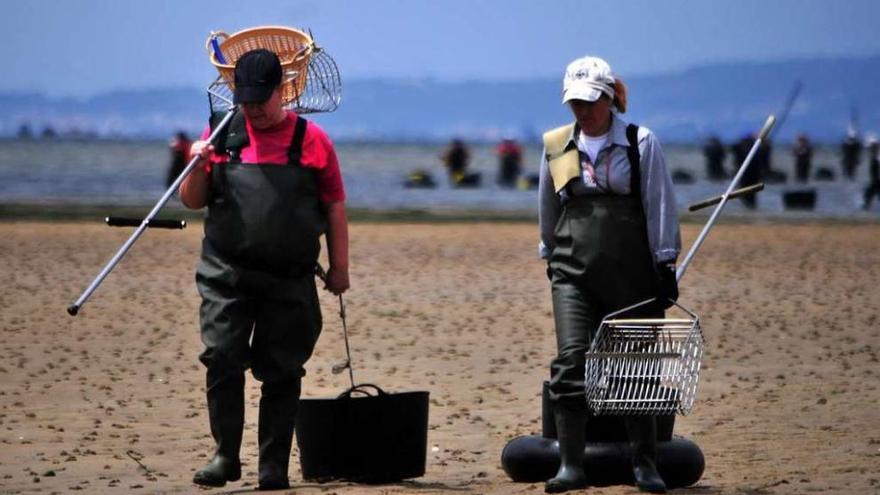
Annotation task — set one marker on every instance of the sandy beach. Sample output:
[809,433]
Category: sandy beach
[112,401]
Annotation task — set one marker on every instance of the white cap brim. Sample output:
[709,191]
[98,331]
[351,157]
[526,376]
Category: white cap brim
[585,93]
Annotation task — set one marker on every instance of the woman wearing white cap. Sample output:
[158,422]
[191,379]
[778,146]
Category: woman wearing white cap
[609,231]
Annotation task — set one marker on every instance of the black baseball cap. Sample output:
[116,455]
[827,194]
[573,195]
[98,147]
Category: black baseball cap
[257,74]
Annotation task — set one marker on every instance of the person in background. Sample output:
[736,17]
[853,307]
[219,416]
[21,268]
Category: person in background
[803,157]
[509,162]
[873,188]
[272,187]
[179,147]
[763,163]
[713,151]
[850,153]
[752,175]
[456,158]
[609,232]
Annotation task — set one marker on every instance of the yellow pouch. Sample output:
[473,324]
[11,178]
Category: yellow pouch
[564,160]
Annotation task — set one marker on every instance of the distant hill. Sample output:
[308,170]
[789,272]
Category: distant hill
[727,99]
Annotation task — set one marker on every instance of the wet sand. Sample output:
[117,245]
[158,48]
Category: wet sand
[112,401]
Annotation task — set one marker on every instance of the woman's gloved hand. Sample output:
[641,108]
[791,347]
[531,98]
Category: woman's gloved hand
[667,291]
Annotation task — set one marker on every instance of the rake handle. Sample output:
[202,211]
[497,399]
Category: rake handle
[682,268]
[74,308]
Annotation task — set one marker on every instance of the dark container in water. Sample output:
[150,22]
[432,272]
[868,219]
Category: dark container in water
[803,199]
[824,174]
[469,180]
[682,177]
[365,435]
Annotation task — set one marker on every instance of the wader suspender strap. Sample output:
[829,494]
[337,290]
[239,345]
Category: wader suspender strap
[294,154]
[234,137]
[231,141]
[632,153]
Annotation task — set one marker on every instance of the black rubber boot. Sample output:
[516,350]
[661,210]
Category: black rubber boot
[277,416]
[571,431]
[226,414]
[642,432]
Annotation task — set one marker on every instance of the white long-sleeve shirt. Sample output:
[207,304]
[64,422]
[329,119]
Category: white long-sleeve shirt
[611,175]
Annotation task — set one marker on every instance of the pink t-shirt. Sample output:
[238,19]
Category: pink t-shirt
[270,146]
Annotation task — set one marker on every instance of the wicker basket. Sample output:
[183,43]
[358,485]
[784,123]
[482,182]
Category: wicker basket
[293,47]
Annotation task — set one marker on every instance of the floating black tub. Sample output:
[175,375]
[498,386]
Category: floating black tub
[801,199]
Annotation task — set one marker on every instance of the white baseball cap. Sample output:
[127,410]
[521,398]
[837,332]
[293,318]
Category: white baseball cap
[586,79]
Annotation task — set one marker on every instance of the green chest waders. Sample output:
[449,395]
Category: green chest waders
[601,262]
[259,301]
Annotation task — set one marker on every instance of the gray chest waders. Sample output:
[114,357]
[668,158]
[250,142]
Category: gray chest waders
[259,300]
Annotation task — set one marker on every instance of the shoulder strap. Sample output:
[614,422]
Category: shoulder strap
[234,137]
[230,141]
[294,153]
[635,160]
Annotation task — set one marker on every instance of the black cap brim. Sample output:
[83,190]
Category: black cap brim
[252,94]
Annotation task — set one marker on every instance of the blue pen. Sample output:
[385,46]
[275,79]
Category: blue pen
[217,53]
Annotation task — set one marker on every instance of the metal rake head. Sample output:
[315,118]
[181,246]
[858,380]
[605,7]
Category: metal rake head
[644,365]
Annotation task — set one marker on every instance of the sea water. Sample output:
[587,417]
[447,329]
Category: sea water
[107,172]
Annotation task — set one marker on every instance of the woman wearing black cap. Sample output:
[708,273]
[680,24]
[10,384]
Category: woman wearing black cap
[272,186]
[609,232]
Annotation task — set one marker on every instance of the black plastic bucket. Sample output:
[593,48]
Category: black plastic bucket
[365,435]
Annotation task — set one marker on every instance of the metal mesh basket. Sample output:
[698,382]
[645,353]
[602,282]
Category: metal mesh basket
[317,89]
[644,366]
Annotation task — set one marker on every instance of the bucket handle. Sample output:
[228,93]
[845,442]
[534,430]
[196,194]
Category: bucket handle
[362,389]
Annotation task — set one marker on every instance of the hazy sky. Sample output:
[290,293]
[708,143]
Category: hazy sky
[82,47]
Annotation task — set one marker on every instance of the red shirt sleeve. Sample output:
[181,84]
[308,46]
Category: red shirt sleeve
[318,152]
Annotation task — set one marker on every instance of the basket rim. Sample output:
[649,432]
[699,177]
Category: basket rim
[310,45]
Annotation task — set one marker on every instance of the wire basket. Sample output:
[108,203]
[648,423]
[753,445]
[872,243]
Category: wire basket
[647,366]
[311,79]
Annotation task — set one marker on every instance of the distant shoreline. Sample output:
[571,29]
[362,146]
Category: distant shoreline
[62,212]
[829,144]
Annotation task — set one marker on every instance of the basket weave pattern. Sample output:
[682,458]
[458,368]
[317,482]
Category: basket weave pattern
[293,47]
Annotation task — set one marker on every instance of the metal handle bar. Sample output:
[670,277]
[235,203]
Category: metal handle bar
[321,274]
[154,223]
[735,194]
